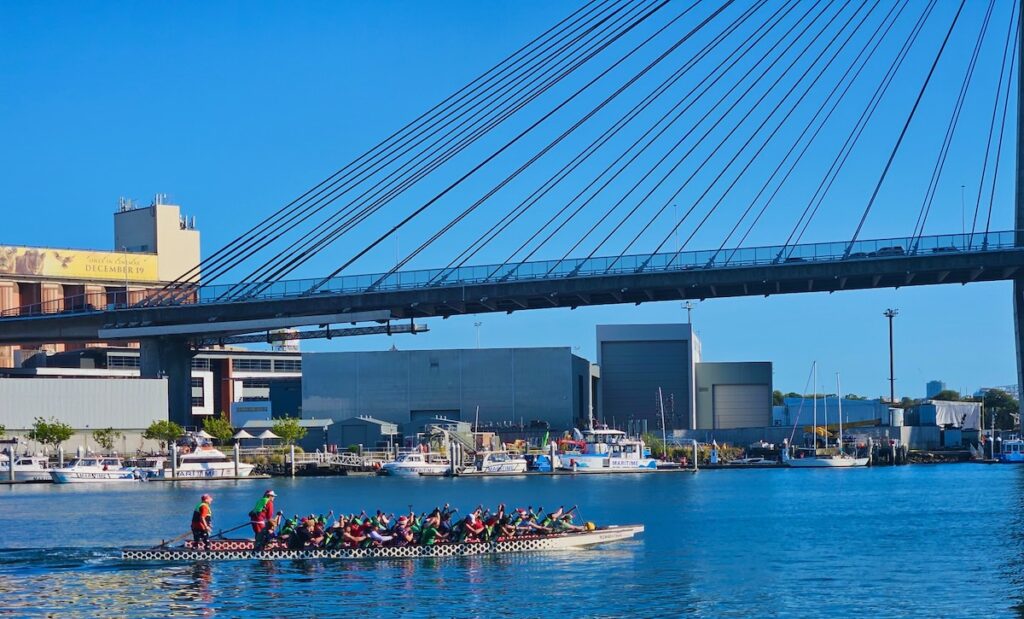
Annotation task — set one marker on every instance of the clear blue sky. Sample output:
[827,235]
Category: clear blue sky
[236,108]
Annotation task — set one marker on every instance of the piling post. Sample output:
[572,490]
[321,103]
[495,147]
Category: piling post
[292,446]
[174,460]
[695,448]
[236,459]
[60,456]
[10,463]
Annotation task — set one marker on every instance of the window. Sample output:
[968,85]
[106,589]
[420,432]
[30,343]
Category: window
[251,365]
[122,361]
[200,364]
[287,365]
[198,397]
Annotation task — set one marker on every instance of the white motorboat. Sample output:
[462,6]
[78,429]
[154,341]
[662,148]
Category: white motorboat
[416,462]
[95,469]
[498,462]
[26,468]
[205,461]
[604,451]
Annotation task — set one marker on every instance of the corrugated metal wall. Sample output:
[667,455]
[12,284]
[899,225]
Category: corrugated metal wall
[521,384]
[83,403]
[631,373]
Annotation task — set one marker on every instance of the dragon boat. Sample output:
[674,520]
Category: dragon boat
[242,549]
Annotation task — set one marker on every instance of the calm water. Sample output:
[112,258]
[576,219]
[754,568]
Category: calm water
[940,541]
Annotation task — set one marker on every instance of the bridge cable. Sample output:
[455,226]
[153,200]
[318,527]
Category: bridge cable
[818,197]
[516,78]
[757,153]
[334,233]
[903,132]
[562,136]
[1002,130]
[878,37]
[513,215]
[456,139]
[285,211]
[491,157]
[940,163]
[693,128]
[750,44]
[1011,28]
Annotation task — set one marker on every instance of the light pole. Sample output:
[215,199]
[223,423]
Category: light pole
[477,325]
[890,314]
[689,309]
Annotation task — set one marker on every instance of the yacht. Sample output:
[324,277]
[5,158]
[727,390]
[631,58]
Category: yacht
[416,462]
[827,458]
[26,468]
[94,469]
[604,451]
[498,462]
[205,461]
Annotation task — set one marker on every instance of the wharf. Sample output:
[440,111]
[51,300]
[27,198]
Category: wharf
[219,478]
[18,482]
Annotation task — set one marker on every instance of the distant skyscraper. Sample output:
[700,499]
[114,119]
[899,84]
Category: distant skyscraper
[933,388]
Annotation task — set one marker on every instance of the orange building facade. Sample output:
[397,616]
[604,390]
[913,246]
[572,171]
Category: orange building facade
[153,246]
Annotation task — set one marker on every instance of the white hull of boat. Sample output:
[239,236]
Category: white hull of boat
[826,463]
[234,550]
[415,471]
[598,464]
[60,476]
[226,469]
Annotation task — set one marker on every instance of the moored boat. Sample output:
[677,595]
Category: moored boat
[205,461]
[26,468]
[1012,451]
[95,469]
[241,549]
[498,462]
[605,451]
[416,463]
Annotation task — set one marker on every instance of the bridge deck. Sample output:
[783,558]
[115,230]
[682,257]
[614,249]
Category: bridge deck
[819,267]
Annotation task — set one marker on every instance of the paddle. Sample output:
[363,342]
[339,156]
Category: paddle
[223,531]
[171,541]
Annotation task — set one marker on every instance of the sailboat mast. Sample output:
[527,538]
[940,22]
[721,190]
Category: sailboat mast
[824,405]
[814,401]
[664,436]
[839,396]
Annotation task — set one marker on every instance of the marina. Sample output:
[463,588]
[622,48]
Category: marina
[698,530]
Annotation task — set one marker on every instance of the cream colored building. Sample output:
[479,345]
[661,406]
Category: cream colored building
[153,246]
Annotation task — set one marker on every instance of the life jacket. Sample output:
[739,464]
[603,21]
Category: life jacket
[197,517]
[260,505]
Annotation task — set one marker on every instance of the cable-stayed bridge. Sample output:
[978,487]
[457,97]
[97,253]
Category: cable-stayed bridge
[585,167]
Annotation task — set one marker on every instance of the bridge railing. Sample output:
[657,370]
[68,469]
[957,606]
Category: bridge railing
[893,247]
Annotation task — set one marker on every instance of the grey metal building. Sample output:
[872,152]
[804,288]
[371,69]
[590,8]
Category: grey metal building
[734,395]
[637,360]
[508,385]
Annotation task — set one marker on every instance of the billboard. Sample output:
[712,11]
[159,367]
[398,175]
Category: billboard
[77,264]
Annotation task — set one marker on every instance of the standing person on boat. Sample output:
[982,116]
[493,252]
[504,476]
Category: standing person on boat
[202,522]
[261,515]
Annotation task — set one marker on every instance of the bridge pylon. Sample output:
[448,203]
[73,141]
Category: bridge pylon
[170,357]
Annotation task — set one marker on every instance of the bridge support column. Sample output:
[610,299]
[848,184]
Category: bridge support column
[170,358]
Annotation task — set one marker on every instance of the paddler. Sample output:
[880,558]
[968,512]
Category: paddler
[261,518]
[202,522]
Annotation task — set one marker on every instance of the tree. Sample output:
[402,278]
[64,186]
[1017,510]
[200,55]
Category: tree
[219,428]
[105,438]
[1001,404]
[3,429]
[854,396]
[947,395]
[289,430]
[163,431]
[777,398]
[50,432]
